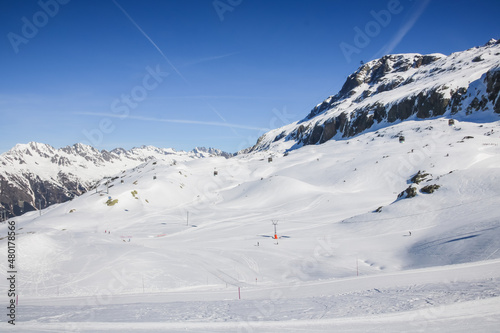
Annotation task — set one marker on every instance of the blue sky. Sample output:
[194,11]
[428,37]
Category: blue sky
[193,73]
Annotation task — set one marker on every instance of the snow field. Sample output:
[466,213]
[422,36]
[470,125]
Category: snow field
[177,274]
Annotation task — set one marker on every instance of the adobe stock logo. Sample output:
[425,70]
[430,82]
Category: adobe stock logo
[30,28]
[222,7]
[372,29]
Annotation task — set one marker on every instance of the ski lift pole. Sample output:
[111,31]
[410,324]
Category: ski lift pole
[275,223]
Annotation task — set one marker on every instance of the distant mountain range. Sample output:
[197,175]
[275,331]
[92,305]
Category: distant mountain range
[382,92]
[37,175]
[400,87]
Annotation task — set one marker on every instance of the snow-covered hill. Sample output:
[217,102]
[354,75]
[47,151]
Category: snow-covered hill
[399,87]
[37,175]
[171,243]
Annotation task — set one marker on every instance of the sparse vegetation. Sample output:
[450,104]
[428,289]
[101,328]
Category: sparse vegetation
[419,177]
[111,202]
[430,188]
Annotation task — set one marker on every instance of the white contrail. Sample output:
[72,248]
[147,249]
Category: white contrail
[178,121]
[202,60]
[204,97]
[168,61]
[389,47]
[150,40]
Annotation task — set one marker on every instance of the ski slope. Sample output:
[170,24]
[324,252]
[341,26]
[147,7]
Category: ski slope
[184,245]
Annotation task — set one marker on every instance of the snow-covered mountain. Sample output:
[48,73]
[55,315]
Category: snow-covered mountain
[397,88]
[36,175]
[391,224]
[380,93]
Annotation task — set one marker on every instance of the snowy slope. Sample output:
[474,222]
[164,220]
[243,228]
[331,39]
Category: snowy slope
[344,257]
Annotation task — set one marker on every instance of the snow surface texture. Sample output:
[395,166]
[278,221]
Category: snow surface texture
[183,242]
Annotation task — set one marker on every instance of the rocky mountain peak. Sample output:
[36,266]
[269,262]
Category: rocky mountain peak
[206,152]
[32,149]
[80,149]
[376,76]
[398,87]
[377,70]
[492,41]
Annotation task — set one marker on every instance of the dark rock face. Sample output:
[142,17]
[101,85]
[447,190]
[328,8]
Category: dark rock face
[477,104]
[21,194]
[14,200]
[493,87]
[362,121]
[379,112]
[410,192]
[329,131]
[456,101]
[402,110]
[424,105]
[316,134]
[431,104]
